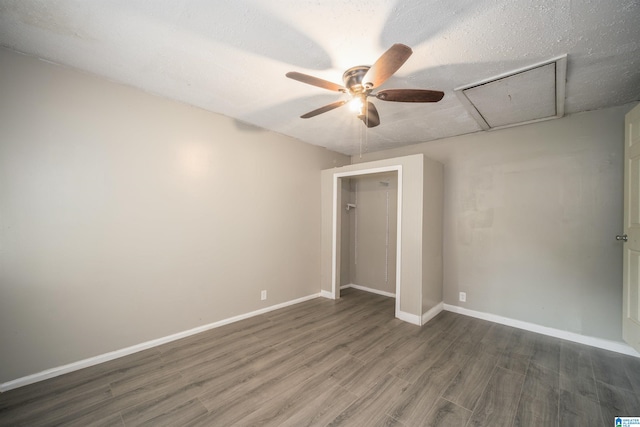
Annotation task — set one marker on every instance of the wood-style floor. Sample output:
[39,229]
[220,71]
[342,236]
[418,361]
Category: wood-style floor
[343,363]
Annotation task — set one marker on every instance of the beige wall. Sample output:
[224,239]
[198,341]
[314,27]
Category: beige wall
[530,218]
[432,263]
[125,217]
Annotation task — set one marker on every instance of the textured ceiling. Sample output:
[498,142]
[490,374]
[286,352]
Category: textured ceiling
[230,57]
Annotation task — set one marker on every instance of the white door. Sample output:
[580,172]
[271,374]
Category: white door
[631,262]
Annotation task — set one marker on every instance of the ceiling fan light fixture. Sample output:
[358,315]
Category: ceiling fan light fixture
[359,81]
[357,105]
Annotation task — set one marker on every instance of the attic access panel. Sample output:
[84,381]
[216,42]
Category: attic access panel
[527,95]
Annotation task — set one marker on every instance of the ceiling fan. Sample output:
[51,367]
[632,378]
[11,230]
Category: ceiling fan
[361,80]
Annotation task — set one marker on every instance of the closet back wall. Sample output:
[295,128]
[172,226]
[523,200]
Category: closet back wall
[125,217]
[373,231]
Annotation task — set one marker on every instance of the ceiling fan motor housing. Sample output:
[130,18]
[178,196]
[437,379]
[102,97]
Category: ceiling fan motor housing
[352,79]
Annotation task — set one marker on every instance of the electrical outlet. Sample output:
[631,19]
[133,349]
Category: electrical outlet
[463,297]
[263,295]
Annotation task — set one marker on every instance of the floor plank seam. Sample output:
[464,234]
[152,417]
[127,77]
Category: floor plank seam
[515,413]
[593,376]
[495,368]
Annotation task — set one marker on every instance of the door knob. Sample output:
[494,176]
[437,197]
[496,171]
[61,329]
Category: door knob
[622,237]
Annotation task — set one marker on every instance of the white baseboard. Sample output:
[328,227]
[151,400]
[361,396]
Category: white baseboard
[430,314]
[373,291]
[327,294]
[615,346]
[408,317]
[618,347]
[60,370]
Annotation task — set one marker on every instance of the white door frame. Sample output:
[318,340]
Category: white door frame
[334,245]
[631,248]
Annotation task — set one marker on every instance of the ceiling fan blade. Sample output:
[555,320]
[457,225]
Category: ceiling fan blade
[387,64]
[315,81]
[371,118]
[324,109]
[410,95]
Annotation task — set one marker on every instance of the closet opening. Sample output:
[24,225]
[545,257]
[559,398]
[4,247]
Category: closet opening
[367,213]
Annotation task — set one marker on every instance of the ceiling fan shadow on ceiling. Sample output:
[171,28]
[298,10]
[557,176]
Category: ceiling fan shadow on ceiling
[360,81]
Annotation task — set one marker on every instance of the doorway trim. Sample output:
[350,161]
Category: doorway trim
[334,244]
